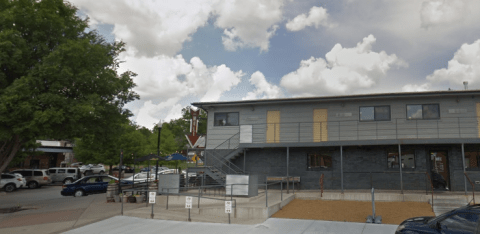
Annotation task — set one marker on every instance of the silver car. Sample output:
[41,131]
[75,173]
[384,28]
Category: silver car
[92,169]
[65,175]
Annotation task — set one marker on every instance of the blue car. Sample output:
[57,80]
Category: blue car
[87,185]
[463,220]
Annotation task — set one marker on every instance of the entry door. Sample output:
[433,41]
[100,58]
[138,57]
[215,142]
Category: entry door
[273,126]
[478,119]
[320,132]
[439,164]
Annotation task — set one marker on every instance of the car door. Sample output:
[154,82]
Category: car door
[53,174]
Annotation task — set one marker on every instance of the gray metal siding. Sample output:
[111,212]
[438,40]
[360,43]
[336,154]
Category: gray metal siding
[343,121]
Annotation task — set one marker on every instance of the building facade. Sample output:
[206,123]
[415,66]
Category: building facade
[387,141]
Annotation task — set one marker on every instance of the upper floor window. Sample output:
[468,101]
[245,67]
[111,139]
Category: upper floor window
[374,113]
[425,111]
[226,119]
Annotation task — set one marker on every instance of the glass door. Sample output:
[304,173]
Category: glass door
[439,169]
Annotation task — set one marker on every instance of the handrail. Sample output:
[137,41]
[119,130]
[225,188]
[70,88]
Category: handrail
[321,184]
[473,188]
[395,128]
[431,183]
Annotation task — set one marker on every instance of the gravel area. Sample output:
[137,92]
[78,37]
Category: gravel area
[353,211]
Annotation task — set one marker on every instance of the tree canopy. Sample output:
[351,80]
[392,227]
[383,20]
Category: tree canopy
[57,79]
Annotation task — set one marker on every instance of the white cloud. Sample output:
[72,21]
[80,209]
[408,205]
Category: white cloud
[317,16]
[464,66]
[151,28]
[172,79]
[248,23]
[442,12]
[344,70]
[416,88]
[263,89]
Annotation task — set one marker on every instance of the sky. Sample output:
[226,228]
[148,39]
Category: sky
[186,51]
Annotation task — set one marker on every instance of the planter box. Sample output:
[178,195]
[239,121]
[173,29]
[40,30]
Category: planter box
[117,198]
[140,199]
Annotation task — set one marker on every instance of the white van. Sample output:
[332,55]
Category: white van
[65,175]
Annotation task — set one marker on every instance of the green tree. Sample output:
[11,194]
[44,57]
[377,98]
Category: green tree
[56,79]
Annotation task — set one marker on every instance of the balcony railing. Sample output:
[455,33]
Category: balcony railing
[359,130]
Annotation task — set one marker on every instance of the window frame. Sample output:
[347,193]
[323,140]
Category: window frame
[374,114]
[423,118]
[226,118]
[404,152]
[319,168]
[472,149]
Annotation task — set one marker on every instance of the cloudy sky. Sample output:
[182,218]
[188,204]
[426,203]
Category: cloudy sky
[220,50]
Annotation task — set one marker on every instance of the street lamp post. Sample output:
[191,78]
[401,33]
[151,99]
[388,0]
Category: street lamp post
[159,126]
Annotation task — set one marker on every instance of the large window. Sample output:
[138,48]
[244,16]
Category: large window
[374,113]
[425,111]
[226,119]
[318,161]
[408,159]
[472,157]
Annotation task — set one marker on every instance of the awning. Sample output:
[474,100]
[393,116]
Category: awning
[55,150]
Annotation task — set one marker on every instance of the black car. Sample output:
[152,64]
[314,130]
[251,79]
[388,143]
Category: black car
[87,185]
[463,220]
[126,169]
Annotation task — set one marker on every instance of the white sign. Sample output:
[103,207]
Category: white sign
[228,204]
[228,210]
[151,197]
[188,202]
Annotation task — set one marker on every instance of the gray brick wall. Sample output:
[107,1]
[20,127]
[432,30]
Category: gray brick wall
[363,167]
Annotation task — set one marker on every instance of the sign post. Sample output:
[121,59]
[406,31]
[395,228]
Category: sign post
[188,205]
[228,209]
[151,200]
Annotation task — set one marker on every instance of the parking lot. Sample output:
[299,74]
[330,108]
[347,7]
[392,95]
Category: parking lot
[44,210]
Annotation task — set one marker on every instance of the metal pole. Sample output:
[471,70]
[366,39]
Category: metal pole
[152,211]
[133,171]
[168,191]
[373,204]
[400,162]
[121,200]
[148,182]
[158,151]
[463,160]
[281,192]
[266,194]
[231,192]
[288,157]
[120,171]
[244,159]
[341,166]
[199,189]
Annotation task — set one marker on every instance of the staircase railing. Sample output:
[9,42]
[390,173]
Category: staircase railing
[431,183]
[229,145]
[473,188]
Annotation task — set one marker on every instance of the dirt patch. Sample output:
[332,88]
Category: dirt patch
[353,211]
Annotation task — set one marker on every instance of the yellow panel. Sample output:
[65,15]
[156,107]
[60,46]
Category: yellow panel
[273,126]
[478,119]
[320,130]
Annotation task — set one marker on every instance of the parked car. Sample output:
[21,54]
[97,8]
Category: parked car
[463,220]
[65,175]
[92,169]
[10,182]
[87,185]
[77,164]
[126,169]
[35,178]
[139,178]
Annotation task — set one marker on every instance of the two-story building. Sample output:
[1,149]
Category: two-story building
[386,141]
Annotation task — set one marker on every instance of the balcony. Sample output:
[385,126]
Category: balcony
[351,132]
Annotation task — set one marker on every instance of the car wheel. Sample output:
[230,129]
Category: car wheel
[33,185]
[68,181]
[79,193]
[9,188]
[101,172]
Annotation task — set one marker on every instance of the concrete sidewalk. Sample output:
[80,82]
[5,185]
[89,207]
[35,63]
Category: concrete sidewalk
[122,224]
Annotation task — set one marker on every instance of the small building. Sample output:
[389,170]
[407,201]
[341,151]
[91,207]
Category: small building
[388,141]
[53,153]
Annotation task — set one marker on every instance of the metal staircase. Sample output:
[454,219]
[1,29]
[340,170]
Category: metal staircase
[219,160]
